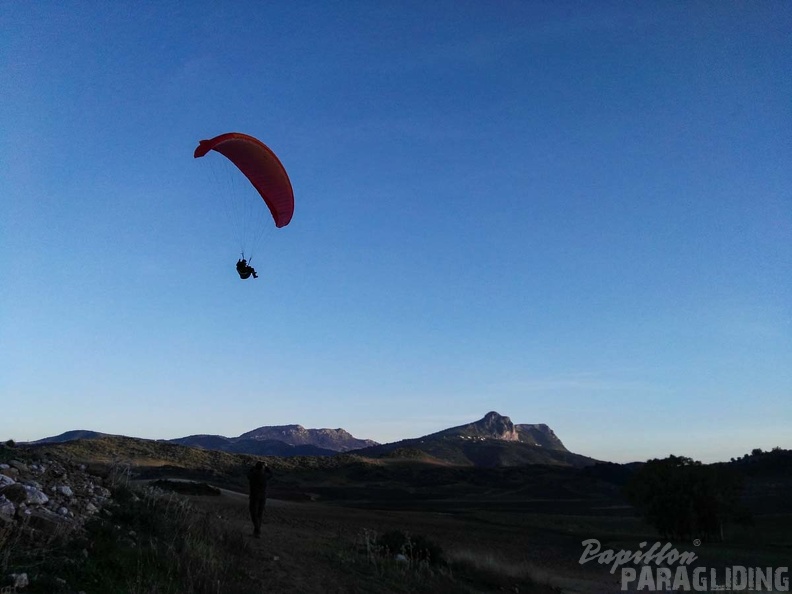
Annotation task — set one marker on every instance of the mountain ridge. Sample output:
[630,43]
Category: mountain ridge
[276,440]
[338,439]
[493,440]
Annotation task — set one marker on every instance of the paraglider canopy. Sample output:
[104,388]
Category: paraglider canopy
[262,168]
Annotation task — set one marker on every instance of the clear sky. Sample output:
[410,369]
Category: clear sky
[572,213]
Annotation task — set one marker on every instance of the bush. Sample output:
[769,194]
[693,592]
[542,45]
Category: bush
[415,547]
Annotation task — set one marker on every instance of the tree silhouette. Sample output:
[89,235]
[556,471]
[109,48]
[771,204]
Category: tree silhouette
[683,499]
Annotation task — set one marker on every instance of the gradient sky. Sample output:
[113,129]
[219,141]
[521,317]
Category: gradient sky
[572,213]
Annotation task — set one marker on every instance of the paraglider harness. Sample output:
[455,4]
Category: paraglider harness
[244,269]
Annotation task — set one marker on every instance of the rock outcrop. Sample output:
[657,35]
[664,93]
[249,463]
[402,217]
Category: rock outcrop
[49,494]
[541,435]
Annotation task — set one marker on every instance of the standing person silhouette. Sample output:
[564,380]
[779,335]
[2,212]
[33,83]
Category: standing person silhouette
[257,479]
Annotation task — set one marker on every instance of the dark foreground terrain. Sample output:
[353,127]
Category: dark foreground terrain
[315,547]
[514,529]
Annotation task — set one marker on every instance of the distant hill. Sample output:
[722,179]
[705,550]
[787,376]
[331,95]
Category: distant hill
[280,440]
[491,441]
[256,447]
[71,435]
[337,440]
[207,442]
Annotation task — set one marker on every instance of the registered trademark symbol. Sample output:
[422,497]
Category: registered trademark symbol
[696,542]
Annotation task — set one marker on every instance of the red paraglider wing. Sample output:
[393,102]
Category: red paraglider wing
[260,165]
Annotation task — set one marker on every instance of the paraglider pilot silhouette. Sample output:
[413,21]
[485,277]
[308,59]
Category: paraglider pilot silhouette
[245,270]
[263,170]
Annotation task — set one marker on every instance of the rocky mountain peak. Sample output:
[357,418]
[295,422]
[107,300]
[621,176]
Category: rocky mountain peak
[492,426]
[496,426]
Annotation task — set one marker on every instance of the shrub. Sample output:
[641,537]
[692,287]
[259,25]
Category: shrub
[414,547]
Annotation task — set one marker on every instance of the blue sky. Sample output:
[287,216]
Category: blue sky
[573,213]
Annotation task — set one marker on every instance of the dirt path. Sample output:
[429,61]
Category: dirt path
[226,492]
